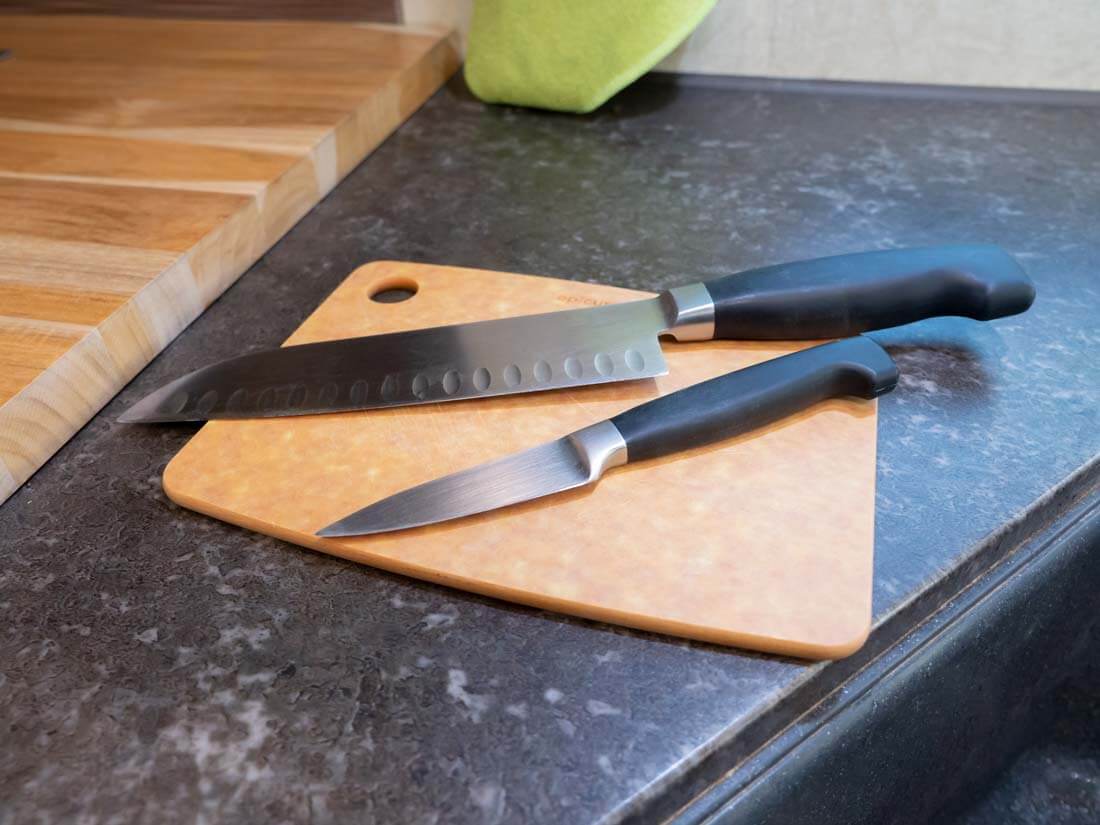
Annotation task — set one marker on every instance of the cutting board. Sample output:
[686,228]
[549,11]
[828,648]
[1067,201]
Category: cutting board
[144,165]
[764,541]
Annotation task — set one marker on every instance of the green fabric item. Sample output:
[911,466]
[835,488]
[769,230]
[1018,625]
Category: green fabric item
[571,55]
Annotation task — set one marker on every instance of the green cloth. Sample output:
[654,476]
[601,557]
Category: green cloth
[571,55]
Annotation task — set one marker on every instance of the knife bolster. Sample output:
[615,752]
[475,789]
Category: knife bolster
[689,313]
[600,446]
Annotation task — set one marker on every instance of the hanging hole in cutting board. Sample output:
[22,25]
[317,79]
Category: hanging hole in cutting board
[394,290]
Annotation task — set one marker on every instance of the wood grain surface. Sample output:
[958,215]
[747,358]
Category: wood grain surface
[376,11]
[764,541]
[144,165]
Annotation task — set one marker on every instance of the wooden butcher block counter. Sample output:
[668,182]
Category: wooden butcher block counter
[144,165]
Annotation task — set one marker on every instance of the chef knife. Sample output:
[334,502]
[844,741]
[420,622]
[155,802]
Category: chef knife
[823,298]
[701,414]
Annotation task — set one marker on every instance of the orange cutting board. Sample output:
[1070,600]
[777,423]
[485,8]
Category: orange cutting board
[764,541]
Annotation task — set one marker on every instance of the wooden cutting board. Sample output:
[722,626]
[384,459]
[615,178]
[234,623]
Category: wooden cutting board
[144,165]
[764,541]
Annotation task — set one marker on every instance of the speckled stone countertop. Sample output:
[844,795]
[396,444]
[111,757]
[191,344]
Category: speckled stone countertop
[158,665]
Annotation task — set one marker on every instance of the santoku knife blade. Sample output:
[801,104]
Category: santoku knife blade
[700,414]
[823,298]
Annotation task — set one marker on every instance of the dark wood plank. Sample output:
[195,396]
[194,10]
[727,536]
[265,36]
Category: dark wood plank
[378,11]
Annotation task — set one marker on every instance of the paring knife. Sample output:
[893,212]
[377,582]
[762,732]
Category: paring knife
[824,298]
[692,417]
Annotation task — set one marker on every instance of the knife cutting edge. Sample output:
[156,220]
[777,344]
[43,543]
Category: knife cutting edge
[824,298]
[701,414]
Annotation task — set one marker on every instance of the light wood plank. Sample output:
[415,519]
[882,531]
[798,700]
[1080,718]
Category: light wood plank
[172,115]
[120,215]
[28,347]
[48,303]
[60,399]
[268,86]
[276,138]
[81,37]
[55,263]
[173,164]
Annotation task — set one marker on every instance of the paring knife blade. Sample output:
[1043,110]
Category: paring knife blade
[823,298]
[700,414]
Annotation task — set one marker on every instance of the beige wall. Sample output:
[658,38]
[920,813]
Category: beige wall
[1026,43]
[454,13]
[970,42]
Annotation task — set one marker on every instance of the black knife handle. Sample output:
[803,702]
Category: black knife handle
[848,294]
[746,399]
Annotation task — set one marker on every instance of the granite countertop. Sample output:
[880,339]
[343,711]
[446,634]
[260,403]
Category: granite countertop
[157,664]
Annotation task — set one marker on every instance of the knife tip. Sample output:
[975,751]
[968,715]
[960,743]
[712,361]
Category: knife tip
[335,530]
[354,525]
[131,416]
[145,410]
[161,406]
